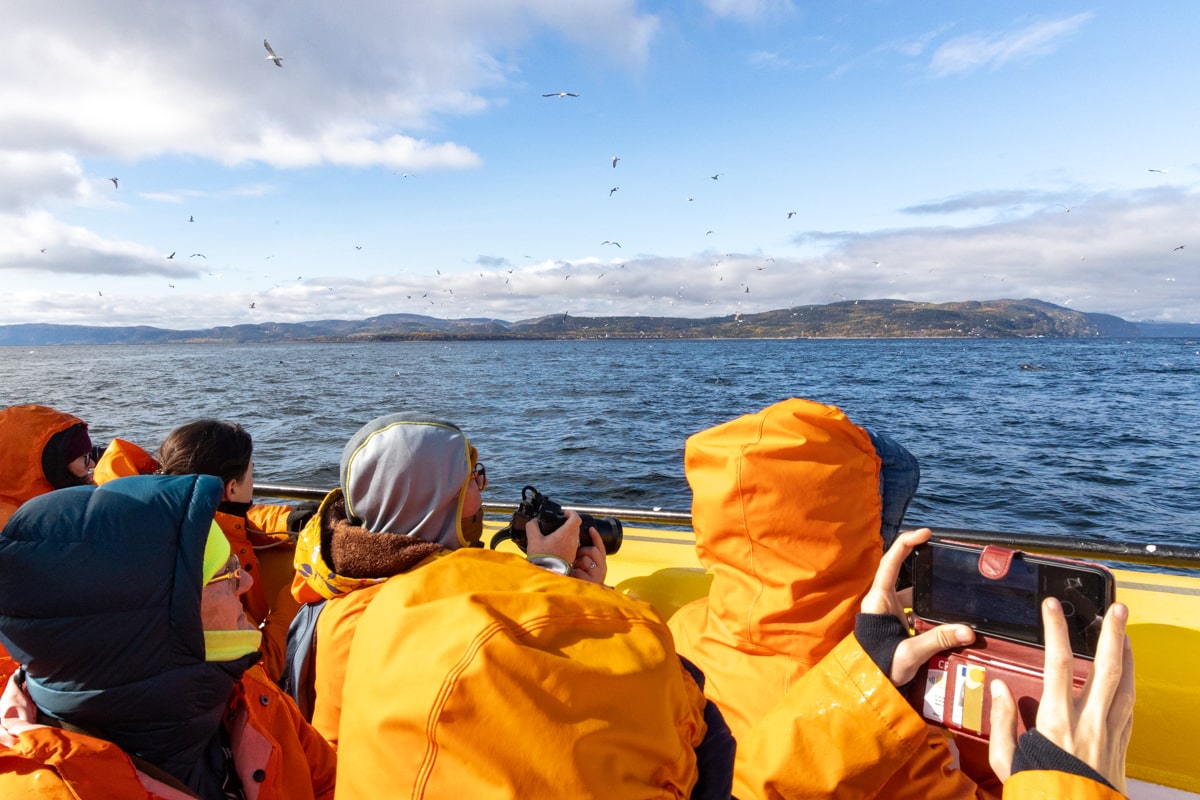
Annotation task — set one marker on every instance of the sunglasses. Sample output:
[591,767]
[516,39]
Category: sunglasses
[479,473]
[231,571]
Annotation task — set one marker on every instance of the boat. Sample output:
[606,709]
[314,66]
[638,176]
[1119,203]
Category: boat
[657,563]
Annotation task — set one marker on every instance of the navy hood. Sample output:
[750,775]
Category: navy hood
[100,601]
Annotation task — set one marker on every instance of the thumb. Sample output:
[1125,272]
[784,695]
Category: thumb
[1003,743]
[917,650]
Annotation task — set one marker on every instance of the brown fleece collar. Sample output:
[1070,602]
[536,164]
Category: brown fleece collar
[355,552]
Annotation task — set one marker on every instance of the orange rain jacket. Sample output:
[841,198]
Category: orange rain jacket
[279,756]
[478,674]
[260,541]
[24,432]
[786,510]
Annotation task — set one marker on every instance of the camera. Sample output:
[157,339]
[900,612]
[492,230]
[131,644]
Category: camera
[550,517]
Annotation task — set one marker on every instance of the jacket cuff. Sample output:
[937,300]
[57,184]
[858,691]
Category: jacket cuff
[1036,752]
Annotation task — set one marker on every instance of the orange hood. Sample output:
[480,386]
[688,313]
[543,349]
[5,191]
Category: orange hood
[786,511]
[24,432]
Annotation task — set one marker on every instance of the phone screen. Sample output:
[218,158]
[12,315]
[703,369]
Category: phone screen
[948,587]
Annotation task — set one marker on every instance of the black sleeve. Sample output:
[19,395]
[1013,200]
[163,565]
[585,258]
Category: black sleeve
[1035,751]
[880,635]
[714,755]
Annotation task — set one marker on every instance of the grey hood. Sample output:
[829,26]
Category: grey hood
[407,473]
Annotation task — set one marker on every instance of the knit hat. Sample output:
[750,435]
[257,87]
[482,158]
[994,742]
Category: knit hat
[407,473]
[63,448]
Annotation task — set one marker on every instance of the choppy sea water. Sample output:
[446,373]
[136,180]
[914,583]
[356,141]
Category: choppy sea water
[1094,439]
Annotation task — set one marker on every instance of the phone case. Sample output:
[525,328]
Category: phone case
[953,689]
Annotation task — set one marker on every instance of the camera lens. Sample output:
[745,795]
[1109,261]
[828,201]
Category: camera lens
[609,528]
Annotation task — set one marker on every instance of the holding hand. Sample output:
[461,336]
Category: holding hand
[898,654]
[1096,726]
[588,563]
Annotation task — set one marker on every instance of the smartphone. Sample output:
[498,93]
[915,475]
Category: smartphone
[948,587]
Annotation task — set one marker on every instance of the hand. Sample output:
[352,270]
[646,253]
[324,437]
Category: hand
[563,542]
[590,563]
[883,598]
[1095,727]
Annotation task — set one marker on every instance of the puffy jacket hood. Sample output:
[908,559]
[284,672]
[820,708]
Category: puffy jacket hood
[24,432]
[101,603]
[407,473]
[786,511]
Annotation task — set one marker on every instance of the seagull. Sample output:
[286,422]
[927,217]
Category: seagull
[193,255]
[252,305]
[272,57]
[1179,248]
[43,249]
[615,160]
[114,180]
[560,94]
[1160,171]
[610,191]
[714,177]
[791,214]
[606,241]
[191,218]
[172,254]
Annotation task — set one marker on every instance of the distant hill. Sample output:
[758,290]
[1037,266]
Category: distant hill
[990,319]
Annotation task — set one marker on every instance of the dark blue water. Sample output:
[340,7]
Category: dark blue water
[1098,440]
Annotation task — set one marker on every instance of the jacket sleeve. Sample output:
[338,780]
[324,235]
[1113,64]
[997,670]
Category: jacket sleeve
[843,730]
[122,459]
[269,518]
[1051,785]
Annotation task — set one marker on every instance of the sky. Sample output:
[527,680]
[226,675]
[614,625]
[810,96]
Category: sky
[711,157]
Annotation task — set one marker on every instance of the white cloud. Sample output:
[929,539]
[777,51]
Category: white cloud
[969,53]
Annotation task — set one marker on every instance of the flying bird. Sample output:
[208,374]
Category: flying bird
[560,94]
[252,305]
[1160,171]
[172,254]
[714,177]
[615,160]
[610,191]
[1179,248]
[193,255]
[114,180]
[791,214]
[606,241]
[271,55]
[191,218]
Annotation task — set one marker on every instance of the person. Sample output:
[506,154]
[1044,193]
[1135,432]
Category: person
[258,534]
[121,604]
[495,647]
[44,449]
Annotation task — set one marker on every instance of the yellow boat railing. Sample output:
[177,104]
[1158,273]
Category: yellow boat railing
[1159,555]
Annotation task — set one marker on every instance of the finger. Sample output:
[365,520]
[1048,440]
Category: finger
[597,540]
[1054,716]
[917,650]
[1121,711]
[882,592]
[1003,743]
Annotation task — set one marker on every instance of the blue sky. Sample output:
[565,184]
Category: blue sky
[404,158]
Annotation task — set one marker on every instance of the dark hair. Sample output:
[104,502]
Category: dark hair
[207,447]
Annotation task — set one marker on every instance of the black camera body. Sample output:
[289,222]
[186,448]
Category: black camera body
[550,517]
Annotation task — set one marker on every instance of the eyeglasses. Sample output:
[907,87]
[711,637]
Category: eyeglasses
[231,571]
[479,473]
